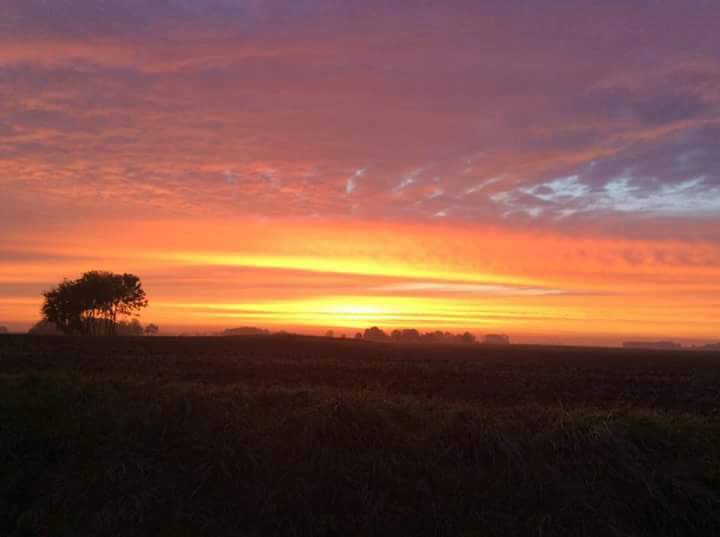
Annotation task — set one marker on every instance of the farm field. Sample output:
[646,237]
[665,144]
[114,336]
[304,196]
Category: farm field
[290,435]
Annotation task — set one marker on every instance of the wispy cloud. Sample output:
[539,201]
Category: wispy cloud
[468,288]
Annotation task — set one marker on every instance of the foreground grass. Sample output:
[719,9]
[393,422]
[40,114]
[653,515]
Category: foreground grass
[84,456]
[674,381]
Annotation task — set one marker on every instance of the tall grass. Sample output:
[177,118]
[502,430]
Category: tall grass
[84,456]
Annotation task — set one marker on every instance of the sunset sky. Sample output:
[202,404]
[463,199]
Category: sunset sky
[549,169]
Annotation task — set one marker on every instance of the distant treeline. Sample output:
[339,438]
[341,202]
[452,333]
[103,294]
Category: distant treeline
[411,335]
[668,346]
[407,335]
[246,331]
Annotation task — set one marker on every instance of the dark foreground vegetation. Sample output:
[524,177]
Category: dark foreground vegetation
[306,436]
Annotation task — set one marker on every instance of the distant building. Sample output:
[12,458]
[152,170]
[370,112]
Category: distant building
[654,345]
[496,339]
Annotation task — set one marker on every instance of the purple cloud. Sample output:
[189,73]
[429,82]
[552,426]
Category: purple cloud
[513,113]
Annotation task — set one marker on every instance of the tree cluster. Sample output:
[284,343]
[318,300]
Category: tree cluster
[95,304]
[411,335]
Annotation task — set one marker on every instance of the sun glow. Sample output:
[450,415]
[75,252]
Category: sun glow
[389,311]
[299,275]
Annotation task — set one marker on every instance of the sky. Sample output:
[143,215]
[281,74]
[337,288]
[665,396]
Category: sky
[549,169]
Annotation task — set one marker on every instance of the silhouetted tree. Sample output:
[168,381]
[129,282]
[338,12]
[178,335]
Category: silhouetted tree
[496,339]
[375,334]
[468,338]
[152,330]
[330,334]
[3,330]
[93,304]
[44,328]
[407,335]
[132,328]
[433,337]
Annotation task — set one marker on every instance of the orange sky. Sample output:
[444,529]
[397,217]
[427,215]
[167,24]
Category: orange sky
[311,275]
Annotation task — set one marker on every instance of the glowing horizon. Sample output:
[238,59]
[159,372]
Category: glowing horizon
[535,286]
